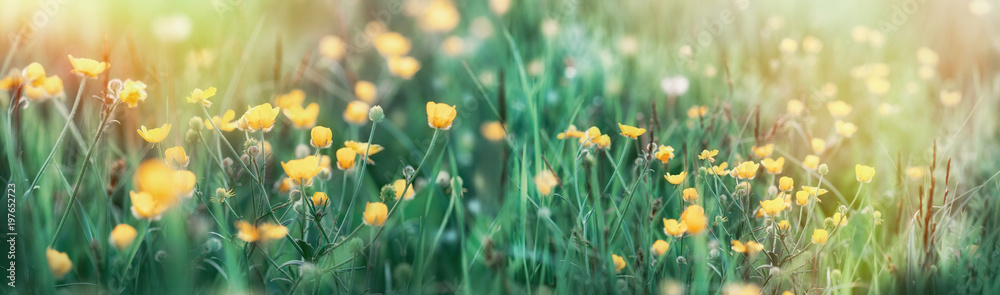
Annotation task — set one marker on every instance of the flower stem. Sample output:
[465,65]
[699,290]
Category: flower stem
[69,121]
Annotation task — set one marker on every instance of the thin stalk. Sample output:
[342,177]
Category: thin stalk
[69,122]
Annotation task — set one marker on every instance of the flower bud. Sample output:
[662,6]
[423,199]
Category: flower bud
[376,114]
[196,124]
[192,136]
[824,169]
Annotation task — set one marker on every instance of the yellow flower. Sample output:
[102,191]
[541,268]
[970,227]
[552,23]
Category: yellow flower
[149,178]
[493,131]
[749,248]
[176,157]
[915,173]
[34,71]
[546,181]
[694,217]
[132,93]
[603,142]
[392,44]
[356,112]
[453,46]
[202,96]
[820,236]
[786,183]
[362,147]
[262,233]
[320,137]
[345,158]
[838,220]
[399,186]
[690,194]
[708,155]
[404,67]
[763,151]
[154,135]
[331,47]
[818,145]
[845,129]
[86,67]
[951,98]
[802,198]
[673,228]
[144,206]
[630,131]
[302,171]
[877,217]
[665,153]
[811,162]
[795,107]
[225,122]
[122,236]
[292,98]
[784,225]
[695,112]
[59,263]
[302,118]
[440,116]
[814,191]
[773,166]
[184,182]
[747,170]
[676,179]
[864,173]
[838,109]
[720,169]
[660,247]
[320,199]
[571,132]
[439,16]
[375,214]
[773,207]
[788,46]
[365,91]
[260,117]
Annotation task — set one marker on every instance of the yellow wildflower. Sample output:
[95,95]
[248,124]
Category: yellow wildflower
[345,158]
[660,247]
[375,214]
[356,112]
[262,233]
[365,91]
[773,166]
[811,162]
[708,155]
[747,170]
[673,228]
[320,199]
[630,131]
[86,67]
[225,122]
[122,236]
[763,151]
[820,236]
[839,109]
[202,96]
[676,179]
[320,137]
[845,129]
[786,183]
[546,181]
[773,207]
[301,171]
[493,131]
[132,93]
[404,67]
[618,261]
[154,135]
[864,173]
[690,194]
[176,157]
[665,153]
[260,117]
[694,217]
[59,263]
[440,115]
[302,118]
[292,98]
[392,44]
[399,186]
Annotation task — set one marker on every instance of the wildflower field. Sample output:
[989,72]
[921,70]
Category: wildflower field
[500,147]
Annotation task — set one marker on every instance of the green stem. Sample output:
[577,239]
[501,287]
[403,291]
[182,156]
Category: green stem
[69,122]
[360,176]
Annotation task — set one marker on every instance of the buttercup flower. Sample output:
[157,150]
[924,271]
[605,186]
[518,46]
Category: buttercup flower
[493,131]
[302,171]
[399,186]
[763,151]
[345,158]
[694,217]
[786,184]
[631,132]
[571,132]
[864,173]
[673,228]
[320,137]
[773,207]
[845,129]
[202,96]
[59,263]
[660,247]
[365,91]
[144,206]
[302,117]
[720,169]
[811,162]
[176,157]
[440,116]
[453,46]
[814,191]
[439,16]
[154,135]
[546,181]
[292,98]
[356,112]
[708,155]
[331,47]
[392,44]
[87,67]
[749,248]
[838,220]
[260,117]
[132,93]
[603,142]
[690,194]
[820,236]
[784,225]
[676,179]
[320,199]
[665,153]
[225,122]
[802,198]
[795,107]
[404,67]
[184,182]
[697,112]
[122,236]
[375,214]
[838,109]
[262,233]
[818,145]
[747,170]
[618,261]
[773,166]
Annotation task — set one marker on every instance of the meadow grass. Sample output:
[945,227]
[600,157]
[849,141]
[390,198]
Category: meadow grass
[501,147]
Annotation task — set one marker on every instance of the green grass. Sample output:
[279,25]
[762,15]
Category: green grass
[479,222]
